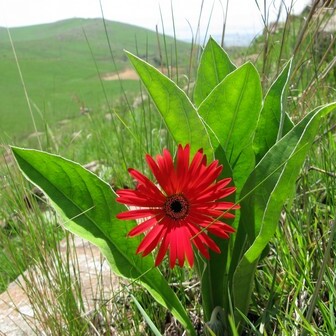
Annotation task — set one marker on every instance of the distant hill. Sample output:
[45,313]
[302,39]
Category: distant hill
[61,64]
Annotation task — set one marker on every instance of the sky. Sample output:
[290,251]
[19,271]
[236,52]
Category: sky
[243,15]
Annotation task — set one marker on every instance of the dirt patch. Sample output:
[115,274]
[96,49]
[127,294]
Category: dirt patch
[129,74]
[6,158]
[17,316]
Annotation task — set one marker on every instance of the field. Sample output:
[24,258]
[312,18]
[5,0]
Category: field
[85,112]
[64,67]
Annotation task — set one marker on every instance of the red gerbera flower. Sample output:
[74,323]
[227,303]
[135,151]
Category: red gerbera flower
[179,213]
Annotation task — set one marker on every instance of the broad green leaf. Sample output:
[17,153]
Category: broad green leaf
[214,66]
[269,123]
[231,112]
[265,192]
[89,208]
[178,112]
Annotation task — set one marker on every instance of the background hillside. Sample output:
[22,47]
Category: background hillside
[61,65]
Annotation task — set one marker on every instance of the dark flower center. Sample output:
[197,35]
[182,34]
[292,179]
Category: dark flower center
[176,206]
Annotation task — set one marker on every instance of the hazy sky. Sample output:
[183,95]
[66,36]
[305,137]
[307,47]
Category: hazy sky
[243,15]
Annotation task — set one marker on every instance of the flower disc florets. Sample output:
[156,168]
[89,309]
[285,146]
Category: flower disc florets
[176,207]
[181,209]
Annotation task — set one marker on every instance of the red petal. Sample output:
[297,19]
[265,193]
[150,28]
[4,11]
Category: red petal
[214,192]
[163,180]
[177,240]
[218,224]
[196,163]
[185,247]
[226,206]
[166,165]
[139,213]
[143,227]
[163,249]
[201,247]
[206,240]
[218,214]
[173,249]
[136,200]
[207,177]
[180,236]
[142,191]
[201,241]
[151,240]
[141,178]
[203,179]
[182,168]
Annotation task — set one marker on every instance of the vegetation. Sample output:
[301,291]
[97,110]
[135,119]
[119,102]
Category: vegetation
[64,66]
[294,289]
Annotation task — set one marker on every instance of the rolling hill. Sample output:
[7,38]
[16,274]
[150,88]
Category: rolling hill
[61,65]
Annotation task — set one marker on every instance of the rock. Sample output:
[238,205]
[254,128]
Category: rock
[18,316]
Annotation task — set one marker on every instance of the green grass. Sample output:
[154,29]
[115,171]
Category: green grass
[302,38]
[61,65]
[298,271]
[288,277]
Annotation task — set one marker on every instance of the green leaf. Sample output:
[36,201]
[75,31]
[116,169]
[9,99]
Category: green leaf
[89,208]
[231,112]
[148,320]
[269,125]
[265,192]
[175,107]
[214,66]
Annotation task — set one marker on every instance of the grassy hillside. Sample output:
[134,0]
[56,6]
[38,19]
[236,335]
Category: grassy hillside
[61,65]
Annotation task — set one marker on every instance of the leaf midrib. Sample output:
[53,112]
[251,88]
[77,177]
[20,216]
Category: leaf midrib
[235,115]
